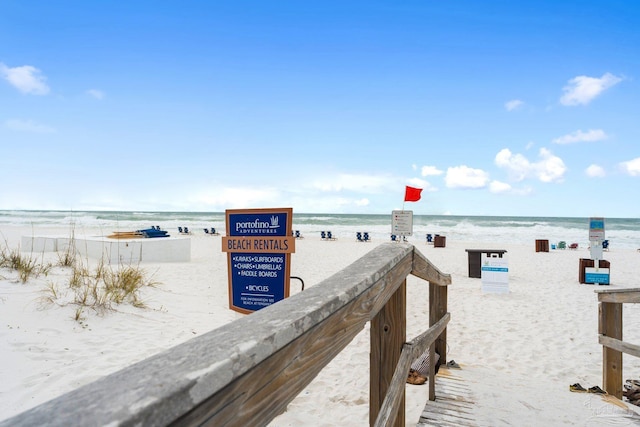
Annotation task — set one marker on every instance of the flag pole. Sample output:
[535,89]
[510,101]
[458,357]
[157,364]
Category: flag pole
[404,199]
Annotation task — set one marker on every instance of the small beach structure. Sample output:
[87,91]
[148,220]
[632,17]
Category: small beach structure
[120,247]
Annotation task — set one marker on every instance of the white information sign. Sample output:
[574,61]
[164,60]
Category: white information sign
[596,229]
[494,274]
[596,237]
[402,223]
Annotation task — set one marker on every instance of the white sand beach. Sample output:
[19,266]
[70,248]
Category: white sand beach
[518,351]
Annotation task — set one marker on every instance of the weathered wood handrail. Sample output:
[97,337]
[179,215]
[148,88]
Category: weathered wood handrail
[610,336]
[410,352]
[247,372]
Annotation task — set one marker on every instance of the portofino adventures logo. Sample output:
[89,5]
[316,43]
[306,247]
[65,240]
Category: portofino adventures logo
[259,226]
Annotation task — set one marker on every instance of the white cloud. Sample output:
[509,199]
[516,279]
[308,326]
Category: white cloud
[516,165]
[595,171]
[421,183]
[27,126]
[631,167]
[591,135]
[233,197]
[326,203]
[430,171]
[514,104]
[97,94]
[499,187]
[26,79]
[352,182]
[466,177]
[583,89]
[550,168]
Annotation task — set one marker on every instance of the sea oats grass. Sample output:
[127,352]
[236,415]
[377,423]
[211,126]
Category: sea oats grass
[99,288]
[27,266]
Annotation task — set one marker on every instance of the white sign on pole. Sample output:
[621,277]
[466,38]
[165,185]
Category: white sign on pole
[596,237]
[402,223]
[596,229]
[494,274]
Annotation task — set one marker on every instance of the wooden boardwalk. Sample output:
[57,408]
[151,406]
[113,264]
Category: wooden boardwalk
[478,396]
[454,404]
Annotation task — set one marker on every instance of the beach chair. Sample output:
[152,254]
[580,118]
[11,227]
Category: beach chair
[605,245]
[562,244]
[365,237]
[298,234]
[206,230]
[429,239]
[573,246]
[330,236]
[180,230]
[323,235]
[359,236]
[394,238]
[214,232]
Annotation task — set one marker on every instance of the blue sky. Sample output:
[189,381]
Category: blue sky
[493,108]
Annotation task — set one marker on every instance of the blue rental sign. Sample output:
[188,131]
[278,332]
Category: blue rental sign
[259,248]
[598,276]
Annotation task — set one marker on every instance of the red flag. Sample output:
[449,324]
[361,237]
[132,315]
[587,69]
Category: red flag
[412,194]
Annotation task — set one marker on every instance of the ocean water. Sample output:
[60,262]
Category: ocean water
[621,232]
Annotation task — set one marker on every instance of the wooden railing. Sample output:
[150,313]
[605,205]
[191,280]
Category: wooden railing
[610,336]
[247,372]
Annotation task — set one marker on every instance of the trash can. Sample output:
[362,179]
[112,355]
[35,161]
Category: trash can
[587,262]
[542,246]
[475,260]
[439,241]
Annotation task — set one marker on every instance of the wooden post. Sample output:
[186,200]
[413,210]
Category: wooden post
[388,334]
[437,309]
[432,373]
[610,325]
